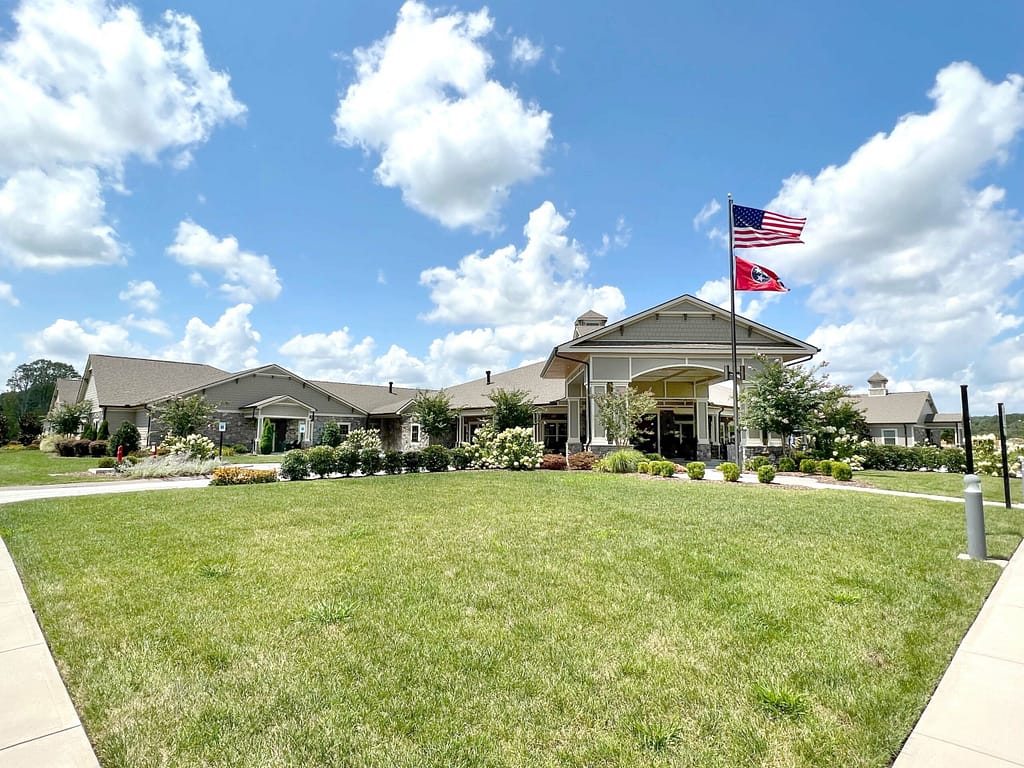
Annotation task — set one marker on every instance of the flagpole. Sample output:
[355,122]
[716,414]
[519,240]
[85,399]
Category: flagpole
[735,366]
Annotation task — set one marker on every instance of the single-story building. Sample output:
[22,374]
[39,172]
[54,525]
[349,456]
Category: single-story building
[905,418]
[676,351]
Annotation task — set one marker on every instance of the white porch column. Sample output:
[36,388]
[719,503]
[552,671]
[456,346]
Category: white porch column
[574,419]
[701,417]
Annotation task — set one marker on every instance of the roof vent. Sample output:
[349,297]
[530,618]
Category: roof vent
[488,376]
[588,322]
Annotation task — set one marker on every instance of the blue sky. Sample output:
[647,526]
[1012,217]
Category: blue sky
[383,192]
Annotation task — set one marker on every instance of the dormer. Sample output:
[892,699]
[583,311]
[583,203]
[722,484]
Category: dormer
[588,322]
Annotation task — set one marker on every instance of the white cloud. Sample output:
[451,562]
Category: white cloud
[543,281]
[451,139]
[82,82]
[142,295]
[620,239]
[382,279]
[522,303]
[526,52]
[230,343]
[153,325]
[55,220]
[7,294]
[705,214]
[73,342]
[247,276]
[916,267]
[83,87]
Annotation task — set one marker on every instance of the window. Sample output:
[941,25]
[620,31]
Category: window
[888,437]
[345,428]
[414,433]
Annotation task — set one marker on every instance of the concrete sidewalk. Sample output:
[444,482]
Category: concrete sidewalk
[975,718]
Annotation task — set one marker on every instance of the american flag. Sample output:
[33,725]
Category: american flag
[754,228]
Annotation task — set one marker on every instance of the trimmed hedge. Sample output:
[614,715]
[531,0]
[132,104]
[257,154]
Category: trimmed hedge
[553,461]
[730,471]
[808,466]
[582,460]
[392,462]
[786,464]
[370,461]
[295,465]
[841,471]
[322,460]
[766,473]
[435,458]
[242,476]
[695,470]
[754,463]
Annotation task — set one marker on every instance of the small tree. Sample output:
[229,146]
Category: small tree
[267,438]
[185,416]
[331,434]
[127,436]
[620,412]
[30,426]
[103,430]
[434,413]
[512,408]
[787,399]
[66,419]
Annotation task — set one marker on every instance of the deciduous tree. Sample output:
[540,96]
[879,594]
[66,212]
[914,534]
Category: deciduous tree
[185,416]
[434,413]
[620,412]
[512,408]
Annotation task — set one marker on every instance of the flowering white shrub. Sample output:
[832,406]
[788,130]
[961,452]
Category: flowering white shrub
[516,449]
[191,446]
[480,452]
[363,439]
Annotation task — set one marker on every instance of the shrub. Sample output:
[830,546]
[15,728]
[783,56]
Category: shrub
[98,448]
[516,449]
[81,447]
[127,436]
[322,460]
[370,461]
[411,461]
[295,465]
[824,467]
[435,458]
[654,457]
[808,466]
[64,447]
[582,460]
[392,462]
[48,443]
[346,459]
[841,471]
[786,464]
[33,446]
[730,472]
[662,468]
[89,432]
[240,449]
[103,431]
[553,461]
[191,446]
[462,457]
[754,463]
[362,439]
[331,435]
[695,469]
[242,476]
[766,473]
[644,467]
[621,461]
[107,462]
[267,438]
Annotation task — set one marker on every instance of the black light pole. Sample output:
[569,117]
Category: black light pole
[1006,465]
[966,415]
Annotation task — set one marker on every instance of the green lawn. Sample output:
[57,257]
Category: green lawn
[499,619]
[939,483]
[254,458]
[38,468]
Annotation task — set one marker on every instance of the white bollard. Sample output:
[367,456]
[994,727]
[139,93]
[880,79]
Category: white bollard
[975,510]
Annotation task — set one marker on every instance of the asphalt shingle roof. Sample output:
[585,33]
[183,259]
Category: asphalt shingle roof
[474,394]
[893,408]
[133,381]
[67,390]
[375,399]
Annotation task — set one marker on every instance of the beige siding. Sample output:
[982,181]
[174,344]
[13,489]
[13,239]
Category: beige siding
[237,393]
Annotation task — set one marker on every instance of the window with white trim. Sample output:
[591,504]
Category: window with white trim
[344,427]
[414,433]
[888,437]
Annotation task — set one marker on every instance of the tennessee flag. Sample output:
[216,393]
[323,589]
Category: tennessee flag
[754,277]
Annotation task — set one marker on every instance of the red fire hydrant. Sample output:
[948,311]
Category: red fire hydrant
[120,453]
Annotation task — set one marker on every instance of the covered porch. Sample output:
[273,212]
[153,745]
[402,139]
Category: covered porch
[292,421]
